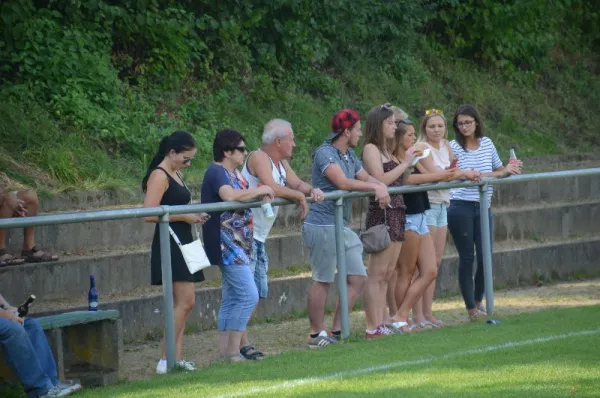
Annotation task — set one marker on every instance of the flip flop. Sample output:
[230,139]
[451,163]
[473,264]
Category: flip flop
[397,327]
[34,255]
[7,259]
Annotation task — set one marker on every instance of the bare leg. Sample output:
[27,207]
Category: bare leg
[317,298]
[355,286]
[376,285]
[407,263]
[233,345]
[427,273]
[32,204]
[223,343]
[184,299]
[439,242]
[8,203]
[391,297]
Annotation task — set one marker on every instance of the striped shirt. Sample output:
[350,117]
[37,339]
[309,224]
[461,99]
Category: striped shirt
[485,159]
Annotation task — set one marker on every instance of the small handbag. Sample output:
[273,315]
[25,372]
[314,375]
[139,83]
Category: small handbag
[193,253]
[376,238]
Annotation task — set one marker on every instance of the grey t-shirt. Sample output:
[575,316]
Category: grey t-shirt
[323,157]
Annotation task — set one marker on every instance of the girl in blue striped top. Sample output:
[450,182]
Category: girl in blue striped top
[478,157]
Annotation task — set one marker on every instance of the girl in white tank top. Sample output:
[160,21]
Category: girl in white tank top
[434,135]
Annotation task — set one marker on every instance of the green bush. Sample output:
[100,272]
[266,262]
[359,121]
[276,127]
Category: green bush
[106,79]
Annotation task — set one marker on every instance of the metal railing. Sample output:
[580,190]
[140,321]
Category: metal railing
[163,212]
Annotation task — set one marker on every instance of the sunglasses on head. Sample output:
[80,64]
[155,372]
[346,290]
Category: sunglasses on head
[433,112]
[404,121]
[386,106]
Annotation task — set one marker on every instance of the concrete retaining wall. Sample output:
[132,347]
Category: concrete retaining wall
[122,272]
[142,317]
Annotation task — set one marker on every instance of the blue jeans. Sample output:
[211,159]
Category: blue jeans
[239,296]
[259,268]
[27,352]
[465,228]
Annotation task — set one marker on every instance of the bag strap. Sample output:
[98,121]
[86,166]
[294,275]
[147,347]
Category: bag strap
[175,238]
[362,222]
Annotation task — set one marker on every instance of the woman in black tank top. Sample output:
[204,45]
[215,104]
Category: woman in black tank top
[163,185]
[418,243]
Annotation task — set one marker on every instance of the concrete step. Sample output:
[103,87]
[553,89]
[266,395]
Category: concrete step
[141,312]
[127,268]
[94,199]
[547,191]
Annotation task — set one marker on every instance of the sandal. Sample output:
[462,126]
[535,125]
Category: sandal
[235,358]
[401,327]
[34,255]
[7,259]
[427,325]
[249,352]
[475,314]
[437,323]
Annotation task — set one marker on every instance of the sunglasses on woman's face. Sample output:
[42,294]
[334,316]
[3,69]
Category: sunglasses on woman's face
[187,160]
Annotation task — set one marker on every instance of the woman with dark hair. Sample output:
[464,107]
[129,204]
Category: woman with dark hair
[163,185]
[477,155]
[228,239]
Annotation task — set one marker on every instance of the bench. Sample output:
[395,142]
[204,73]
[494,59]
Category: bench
[87,345]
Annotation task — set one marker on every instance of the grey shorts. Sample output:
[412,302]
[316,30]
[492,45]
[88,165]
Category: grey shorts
[321,244]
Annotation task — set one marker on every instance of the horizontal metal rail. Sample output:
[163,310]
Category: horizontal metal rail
[139,212]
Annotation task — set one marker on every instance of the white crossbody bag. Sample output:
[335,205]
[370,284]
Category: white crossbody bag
[193,252]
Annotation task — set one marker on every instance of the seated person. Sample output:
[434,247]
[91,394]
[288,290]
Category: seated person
[26,351]
[21,204]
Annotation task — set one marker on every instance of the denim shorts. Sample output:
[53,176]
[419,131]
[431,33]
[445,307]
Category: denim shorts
[323,255]
[259,267]
[417,223]
[437,216]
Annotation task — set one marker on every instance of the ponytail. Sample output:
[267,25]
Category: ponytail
[158,157]
[179,141]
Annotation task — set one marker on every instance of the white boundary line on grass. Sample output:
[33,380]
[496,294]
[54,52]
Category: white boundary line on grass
[372,369]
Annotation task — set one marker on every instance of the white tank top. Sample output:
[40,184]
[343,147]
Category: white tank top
[262,226]
[441,160]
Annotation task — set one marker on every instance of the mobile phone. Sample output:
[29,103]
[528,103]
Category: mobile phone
[453,164]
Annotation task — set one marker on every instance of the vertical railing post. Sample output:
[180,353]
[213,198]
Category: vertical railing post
[167,283]
[342,277]
[486,244]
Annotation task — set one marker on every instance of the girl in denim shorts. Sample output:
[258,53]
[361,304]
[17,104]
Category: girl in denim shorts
[434,135]
[418,244]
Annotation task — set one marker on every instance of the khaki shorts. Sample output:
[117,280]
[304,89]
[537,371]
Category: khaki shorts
[321,245]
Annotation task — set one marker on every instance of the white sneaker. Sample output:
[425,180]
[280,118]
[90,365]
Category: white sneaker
[186,365]
[161,368]
[69,386]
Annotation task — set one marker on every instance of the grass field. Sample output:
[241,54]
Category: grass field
[546,353]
